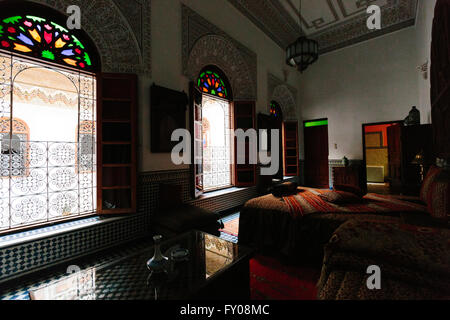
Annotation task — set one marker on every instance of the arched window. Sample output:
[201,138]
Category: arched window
[49,83]
[214,122]
[275,110]
[45,39]
[13,145]
[212,81]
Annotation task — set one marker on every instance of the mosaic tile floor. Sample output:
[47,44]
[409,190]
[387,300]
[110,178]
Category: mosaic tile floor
[20,291]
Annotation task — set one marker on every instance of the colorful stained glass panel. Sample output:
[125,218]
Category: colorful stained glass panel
[210,82]
[275,110]
[41,38]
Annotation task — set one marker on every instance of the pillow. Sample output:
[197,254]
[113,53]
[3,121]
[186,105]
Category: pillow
[438,201]
[285,188]
[349,188]
[340,197]
[428,181]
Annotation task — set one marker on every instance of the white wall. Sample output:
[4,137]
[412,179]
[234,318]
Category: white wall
[167,64]
[373,81]
[48,122]
[423,41]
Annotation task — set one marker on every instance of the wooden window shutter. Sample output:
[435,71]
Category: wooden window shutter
[290,148]
[116,143]
[265,123]
[196,126]
[244,118]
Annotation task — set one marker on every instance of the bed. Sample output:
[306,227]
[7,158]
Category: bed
[414,262]
[299,225]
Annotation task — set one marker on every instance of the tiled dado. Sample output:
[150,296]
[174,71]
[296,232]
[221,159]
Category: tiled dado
[26,257]
[150,193]
[75,239]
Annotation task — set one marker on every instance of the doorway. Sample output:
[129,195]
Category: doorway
[316,153]
[382,160]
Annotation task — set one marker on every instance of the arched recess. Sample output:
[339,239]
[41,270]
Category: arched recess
[284,97]
[104,24]
[218,51]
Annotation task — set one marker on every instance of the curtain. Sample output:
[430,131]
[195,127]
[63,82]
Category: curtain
[440,78]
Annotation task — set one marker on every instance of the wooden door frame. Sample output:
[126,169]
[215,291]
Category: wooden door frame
[304,151]
[364,125]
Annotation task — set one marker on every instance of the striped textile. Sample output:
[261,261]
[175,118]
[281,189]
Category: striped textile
[307,201]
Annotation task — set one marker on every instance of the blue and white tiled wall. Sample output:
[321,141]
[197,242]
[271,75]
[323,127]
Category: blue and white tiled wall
[31,251]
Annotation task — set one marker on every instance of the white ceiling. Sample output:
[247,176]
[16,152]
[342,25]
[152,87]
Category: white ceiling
[317,15]
[333,23]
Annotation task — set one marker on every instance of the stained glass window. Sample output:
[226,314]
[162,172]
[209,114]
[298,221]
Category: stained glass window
[47,143]
[212,83]
[43,39]
[275,110]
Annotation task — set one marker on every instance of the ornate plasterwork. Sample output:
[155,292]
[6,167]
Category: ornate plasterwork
[119,29]
[338,27]
[271,18]
[204,44]
[285,95]
[396,15]
[45,96]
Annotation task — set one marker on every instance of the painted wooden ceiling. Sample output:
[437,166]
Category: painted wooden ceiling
[333,23]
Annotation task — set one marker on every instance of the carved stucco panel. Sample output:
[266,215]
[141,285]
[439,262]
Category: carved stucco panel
[204,44]
[285,95]
[215,50]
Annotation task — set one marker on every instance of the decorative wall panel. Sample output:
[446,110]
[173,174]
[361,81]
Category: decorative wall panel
[285,95]
[120,30]
[333,23]
[204,44]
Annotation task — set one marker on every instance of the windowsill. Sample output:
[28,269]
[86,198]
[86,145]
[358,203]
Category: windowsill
[64,227]
[216,193]
[53,230]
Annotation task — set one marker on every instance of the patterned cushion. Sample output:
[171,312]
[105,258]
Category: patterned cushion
[427,182]
[340,197]
[414,261]
[439,196]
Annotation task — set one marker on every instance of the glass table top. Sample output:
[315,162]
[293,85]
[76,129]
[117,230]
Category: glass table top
[128,278]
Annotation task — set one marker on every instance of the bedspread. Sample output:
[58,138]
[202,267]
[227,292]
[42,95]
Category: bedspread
[268,223]
[414,261]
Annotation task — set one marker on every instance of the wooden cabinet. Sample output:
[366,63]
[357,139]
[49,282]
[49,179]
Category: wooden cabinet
[351,175]
[116,147]
[404,143]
